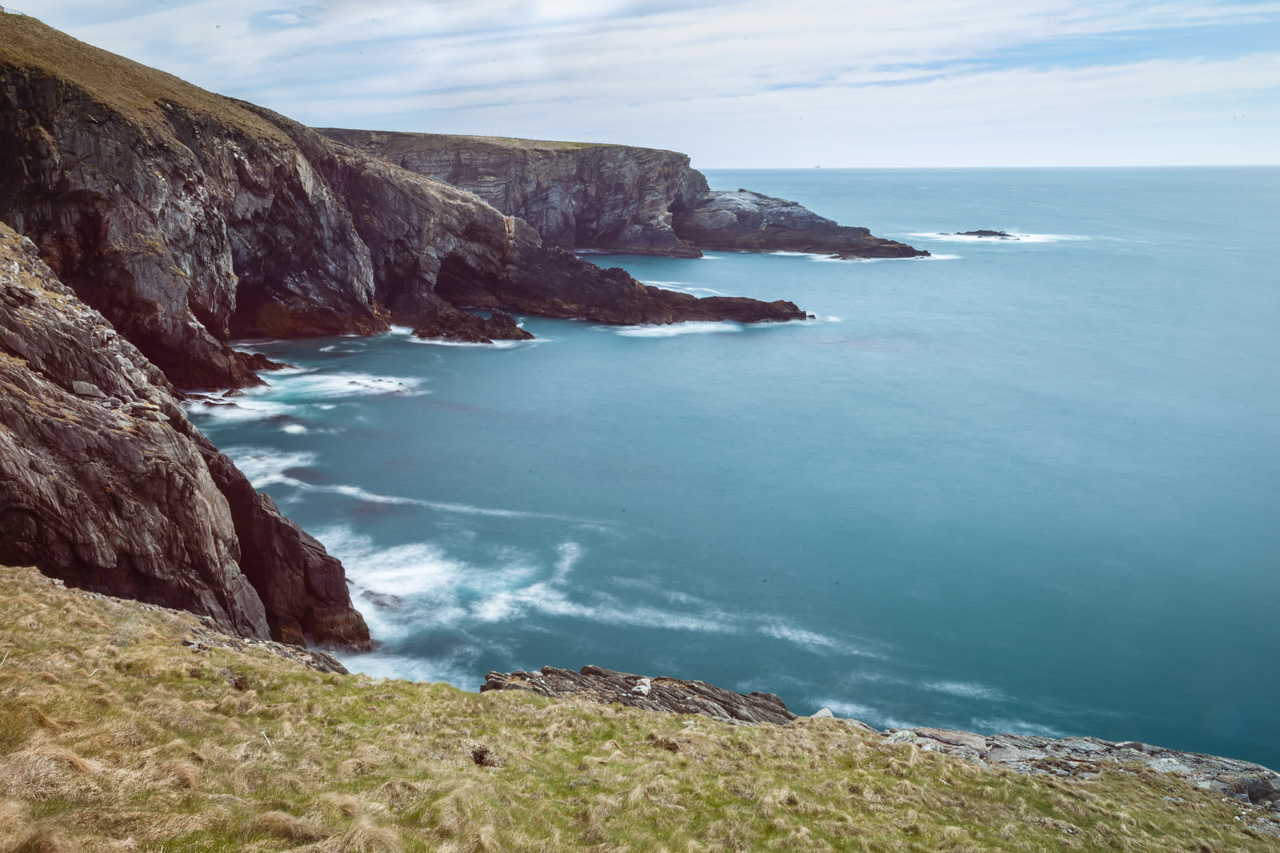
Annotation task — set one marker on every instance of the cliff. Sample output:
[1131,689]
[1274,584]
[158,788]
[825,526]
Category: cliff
[127,727]
[105,483]
[576,195]
[617,198]
[186,218]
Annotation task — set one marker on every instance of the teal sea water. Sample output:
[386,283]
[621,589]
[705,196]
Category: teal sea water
[1028,486]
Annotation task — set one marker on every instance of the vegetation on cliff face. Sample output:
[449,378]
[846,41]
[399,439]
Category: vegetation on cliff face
[114,735]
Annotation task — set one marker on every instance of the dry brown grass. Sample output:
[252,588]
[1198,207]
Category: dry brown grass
[134,90]
[115,736]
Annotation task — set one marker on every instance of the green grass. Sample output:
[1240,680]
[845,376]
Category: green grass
[113,733]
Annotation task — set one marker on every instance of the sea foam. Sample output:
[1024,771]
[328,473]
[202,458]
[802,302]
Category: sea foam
[696,327]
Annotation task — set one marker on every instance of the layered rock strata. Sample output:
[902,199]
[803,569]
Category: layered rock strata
[105,484]
[617,198]
[611,197]
[655,694]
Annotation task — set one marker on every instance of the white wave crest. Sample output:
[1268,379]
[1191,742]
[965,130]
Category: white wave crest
[435,342]
[811,639]
[963,689]
[696,327]
[1014,237]
[309,384]
[1002,725]
[237,410]
[261,465]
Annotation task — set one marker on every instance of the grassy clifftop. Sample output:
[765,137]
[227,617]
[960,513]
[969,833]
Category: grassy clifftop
[136,91]
[128,727]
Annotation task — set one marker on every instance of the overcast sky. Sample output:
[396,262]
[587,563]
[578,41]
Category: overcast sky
[744,83]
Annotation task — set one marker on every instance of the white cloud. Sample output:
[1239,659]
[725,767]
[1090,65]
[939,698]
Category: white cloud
[918,82]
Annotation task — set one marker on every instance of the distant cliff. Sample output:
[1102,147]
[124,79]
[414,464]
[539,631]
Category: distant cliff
[616,198]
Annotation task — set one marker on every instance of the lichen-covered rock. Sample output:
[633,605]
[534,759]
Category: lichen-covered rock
[1074,756]
[652,693]
[105,484]
[749,221]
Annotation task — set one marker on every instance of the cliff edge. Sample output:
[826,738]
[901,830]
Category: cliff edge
[616,198]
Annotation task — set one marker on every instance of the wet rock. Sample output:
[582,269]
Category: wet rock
[996,235]
[656,694]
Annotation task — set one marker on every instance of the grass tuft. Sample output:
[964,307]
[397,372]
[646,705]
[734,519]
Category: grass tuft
[116,736]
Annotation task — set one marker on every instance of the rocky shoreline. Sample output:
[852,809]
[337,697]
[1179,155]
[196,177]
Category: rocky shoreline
[1256,789]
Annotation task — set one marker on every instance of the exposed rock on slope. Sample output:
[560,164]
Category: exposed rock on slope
[105,484]
[748,221]
[616,197]
[1076,756]
[654,694]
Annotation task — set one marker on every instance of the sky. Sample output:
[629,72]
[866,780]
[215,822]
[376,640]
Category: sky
[744,83]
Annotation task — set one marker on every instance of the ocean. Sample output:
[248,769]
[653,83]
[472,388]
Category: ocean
[1023,486]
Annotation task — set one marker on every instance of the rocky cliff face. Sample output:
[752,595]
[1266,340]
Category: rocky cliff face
[616,197]
[613,197]
[105,484]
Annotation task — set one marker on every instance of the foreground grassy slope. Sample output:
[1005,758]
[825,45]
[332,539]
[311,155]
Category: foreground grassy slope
[114,735]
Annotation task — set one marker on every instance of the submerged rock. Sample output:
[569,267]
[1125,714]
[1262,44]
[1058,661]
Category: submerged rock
[652,693]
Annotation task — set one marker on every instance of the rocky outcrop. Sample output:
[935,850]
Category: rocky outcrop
[982,232]
[654,694]
[1082,756]
[105,484]
[611,197]
[751,222]
[617,198]
[436,248]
